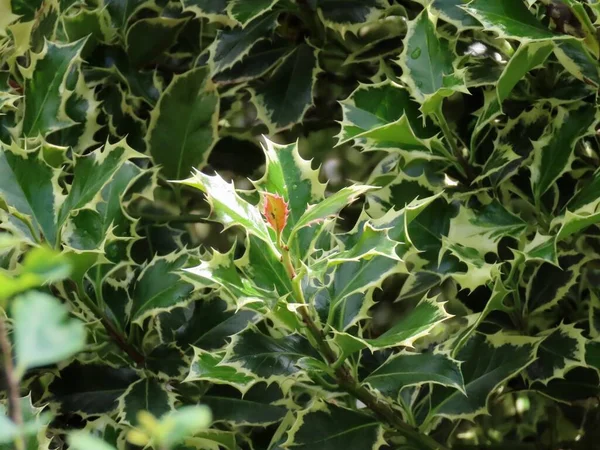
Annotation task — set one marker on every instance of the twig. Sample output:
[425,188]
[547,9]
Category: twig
[14,403]
[346,380]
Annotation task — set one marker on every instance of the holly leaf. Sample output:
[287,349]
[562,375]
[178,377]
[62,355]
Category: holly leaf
[413,369]
[553,153]
[147,394]
[487,361]
[158,288]
[228,207]
[180,146]
[510,19]
[561,349]
[45,83]
[329,427]
[287,95]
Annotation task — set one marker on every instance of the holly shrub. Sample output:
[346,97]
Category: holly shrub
[303,225]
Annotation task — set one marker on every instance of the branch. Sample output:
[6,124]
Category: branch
[345,379]
[12,382]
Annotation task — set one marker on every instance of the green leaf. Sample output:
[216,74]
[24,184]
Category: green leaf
[44,85]
[329,207]
[554,151]
[92,173]
[482,229]
[28,185]
[269,358]
[410,369]
[255,408]
[292,177]
[230,46]
[452,12]
[510,19]
[149,39]
[488,361]
[550,283]
[417,323]
[561,349]
[120,11]
[577,60]
[89,228]
[212,324]
[147,394]
[426,62]
[262,58]
[529,56]
[288,94]
[244,12]
[329,427]
[183,126]
[159,288]
[381,116]
[43,333]
[352,15]
[228,207]
[210,367]
[90,389]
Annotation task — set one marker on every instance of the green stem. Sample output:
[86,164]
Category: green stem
[347,381]
[112,331]
[459,160]
[12,382]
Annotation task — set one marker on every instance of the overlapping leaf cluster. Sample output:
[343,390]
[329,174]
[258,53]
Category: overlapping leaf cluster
[440,291]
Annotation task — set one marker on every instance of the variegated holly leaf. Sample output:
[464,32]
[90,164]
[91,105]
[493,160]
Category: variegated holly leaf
[487,361]
[212,324]
[410,369]
[148,39]
[288,94]
[510,19]
[147,394]
[159,288]
[529,56]
[29,187]
[90,389]
[209,366]
[45,83]
[257,407]
[383,116]
[293,178]
[329,426]
[268,358]
[231,46]
[561,349]
[228,207]
[550,283]
[554,150]
[183,125]
[482,229]
[427,64]
[244,12]
[452,12]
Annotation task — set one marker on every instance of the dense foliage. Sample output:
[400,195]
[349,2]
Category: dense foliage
[409,260]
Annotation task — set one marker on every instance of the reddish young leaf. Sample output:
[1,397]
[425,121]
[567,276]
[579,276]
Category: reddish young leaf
[275,210]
